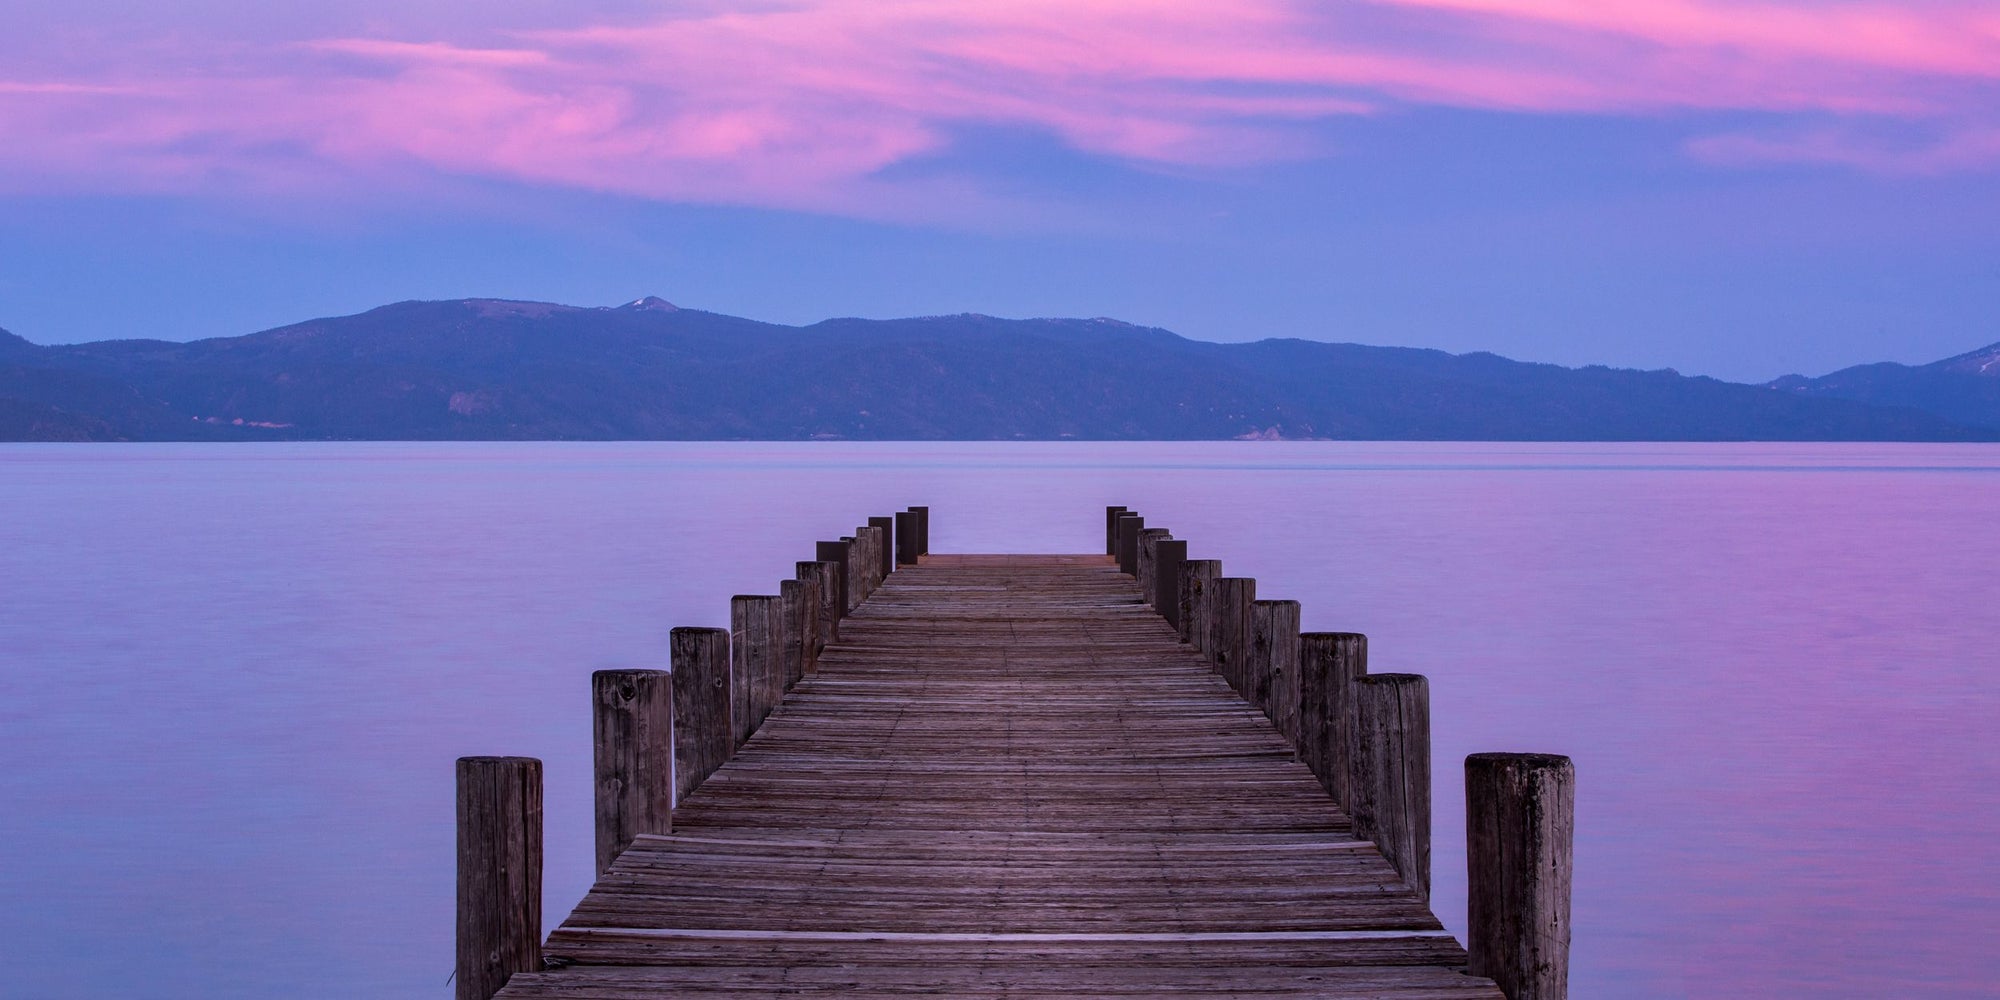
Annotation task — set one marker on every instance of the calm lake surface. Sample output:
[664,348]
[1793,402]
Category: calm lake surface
[233,678]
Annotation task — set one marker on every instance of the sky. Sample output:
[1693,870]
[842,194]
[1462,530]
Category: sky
[1737,189]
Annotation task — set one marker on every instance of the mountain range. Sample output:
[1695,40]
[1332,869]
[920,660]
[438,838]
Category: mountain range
[497,369]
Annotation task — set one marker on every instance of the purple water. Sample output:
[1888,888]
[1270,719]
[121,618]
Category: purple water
[233,678]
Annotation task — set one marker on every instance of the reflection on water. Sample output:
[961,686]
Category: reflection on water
[233,678]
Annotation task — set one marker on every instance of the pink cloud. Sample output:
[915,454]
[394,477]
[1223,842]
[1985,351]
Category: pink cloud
[805,105]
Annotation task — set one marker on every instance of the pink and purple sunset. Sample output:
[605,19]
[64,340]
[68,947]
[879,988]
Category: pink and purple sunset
[1405,499]
[1730,189]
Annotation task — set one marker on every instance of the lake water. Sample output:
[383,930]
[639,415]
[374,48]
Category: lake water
[233,678]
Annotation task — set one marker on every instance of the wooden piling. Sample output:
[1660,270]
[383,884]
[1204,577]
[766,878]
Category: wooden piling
[1520,824]
[923,530]
[1168,557]
[1273,668]
[885,528]
[1198,593]
[499,872]
[1391,782]
[1111,529]
[861,565]
[906,538]
[703,736]
[837,553]
[1329,665]
[1229,628]
[754,665]
[799,642]
[1129,526]
[1149,540]
[825,579]
[879,544]
[633,737]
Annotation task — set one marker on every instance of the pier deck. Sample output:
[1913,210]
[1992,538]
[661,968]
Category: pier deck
[1006,779]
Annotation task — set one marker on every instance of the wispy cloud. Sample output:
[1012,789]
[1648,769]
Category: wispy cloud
[805,104]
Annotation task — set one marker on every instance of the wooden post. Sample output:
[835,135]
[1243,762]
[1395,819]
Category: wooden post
[1391,784]
[1149,539]
[1329,665]
[859,567]
[825,578]
[867,560]
[1168,557]
[1111,529]
[1229,631]
[1273,670]
[878,546]
[799,641]
[633,728]
[1198,592]
[837,552]
[1520,829]
[753,667]
[906,537]
[499,872]
[885,544]
[703,737]
[1129,526]
[923,530]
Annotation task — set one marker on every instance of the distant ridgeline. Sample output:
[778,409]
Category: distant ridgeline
[489,369]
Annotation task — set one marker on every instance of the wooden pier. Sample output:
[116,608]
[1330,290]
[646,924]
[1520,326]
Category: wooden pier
[992,776]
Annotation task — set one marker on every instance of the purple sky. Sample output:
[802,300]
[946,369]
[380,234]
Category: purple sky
[1738,189]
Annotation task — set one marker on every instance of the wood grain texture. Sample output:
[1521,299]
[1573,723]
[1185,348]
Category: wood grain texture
[825,580]
[1169,554]
[703,735]
[1198,591]
[632,758]
[499,872]
[1520,830]
[870,542]
[1229,629]
[1129,526]
[1329,665]
[798,644]
[1273,668]
[837,553]
[1008,779]
[756,666]
[1149,540]
[885,545]
[1391,782]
